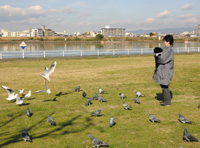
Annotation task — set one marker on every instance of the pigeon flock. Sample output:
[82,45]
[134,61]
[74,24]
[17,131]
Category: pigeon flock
[19,99]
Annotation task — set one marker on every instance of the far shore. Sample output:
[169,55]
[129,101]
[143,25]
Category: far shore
[93,39]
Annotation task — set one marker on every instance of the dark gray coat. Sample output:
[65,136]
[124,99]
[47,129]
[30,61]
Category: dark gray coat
[165,70]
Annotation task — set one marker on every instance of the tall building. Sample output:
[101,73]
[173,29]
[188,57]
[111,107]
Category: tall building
[197,30]
[113,32]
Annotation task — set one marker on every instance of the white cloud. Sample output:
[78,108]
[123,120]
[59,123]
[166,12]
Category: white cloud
[164,14]
[149,20]
[187,6]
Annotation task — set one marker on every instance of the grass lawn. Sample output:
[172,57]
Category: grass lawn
[73,119]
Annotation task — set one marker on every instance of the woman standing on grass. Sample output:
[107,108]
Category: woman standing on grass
[165,69]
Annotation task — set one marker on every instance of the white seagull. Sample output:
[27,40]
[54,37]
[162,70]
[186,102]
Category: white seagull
[19,100]
[48,71]
[48,91]
[28,95]
[21,91]
[11,93]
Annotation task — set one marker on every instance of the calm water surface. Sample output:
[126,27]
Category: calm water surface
[40,46]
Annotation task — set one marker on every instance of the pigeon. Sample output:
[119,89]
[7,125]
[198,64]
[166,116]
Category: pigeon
[77,89]
[183,119]
[136,100]
[19,100]
[98,143]
[96,113]
[139,94]
[122,96]
[28,113]
[199,105]
[101,91]
[101,99]
[48,71]
[152,118]
[11,93]
[95,97]
[51,121]
[21,91]
[188,137]
[112,121]
[88,101]
[126,106]
[28,95]
[84,94]
[26,136]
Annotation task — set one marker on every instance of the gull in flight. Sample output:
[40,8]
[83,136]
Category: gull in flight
[21,91]
[48,71]
[11,93]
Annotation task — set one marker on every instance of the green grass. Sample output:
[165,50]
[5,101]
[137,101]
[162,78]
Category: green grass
[113,74]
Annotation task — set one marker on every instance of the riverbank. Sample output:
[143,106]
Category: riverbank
[93,39]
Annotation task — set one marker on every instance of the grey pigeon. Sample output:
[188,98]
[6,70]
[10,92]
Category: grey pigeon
[26,136]
[84,94]
[139,94]
[48,71]
[77,89]
[199,105]
[112,121]
[96,113]
[101,91]
[98,143]
[136,100]
[122,96]
[126,106]
[51,121]
[152,118]
[183,119]
[188,137]
[101,99]
[88,101]
[28,113]
[95,97]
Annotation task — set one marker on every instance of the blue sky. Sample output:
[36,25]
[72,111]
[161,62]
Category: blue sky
[92,15]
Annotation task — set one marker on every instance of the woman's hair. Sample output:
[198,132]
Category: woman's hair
[169,38]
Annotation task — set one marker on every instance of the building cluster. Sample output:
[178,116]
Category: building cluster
[107,31]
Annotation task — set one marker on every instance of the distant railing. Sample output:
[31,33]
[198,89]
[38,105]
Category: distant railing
[68,53]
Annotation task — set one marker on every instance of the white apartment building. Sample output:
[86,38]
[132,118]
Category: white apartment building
[197,30]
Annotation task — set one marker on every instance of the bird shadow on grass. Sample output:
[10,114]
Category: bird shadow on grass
[54,99]
[62,94]
[31,98]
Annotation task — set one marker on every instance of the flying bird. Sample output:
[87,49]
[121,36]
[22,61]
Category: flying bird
[88,101]
[77,89]
[112,121]
[48,71]
[188,137]
[136,100]
[139,94]
[51,121]
[126,106]
[96,113]
[11,93]
[26,136]
[98,143]
[28,113]
[101,91]
[183,119]
[152,118]
[21,91]
[122,96]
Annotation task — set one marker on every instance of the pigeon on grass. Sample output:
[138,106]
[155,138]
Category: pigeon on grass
[101,99]
[26,136]
[122,96]
[51,121]
[126,106]
[199,105]
[48,71]
[98,143]
[112,121]
[11,93]
[84,94]
[153,119]
[28,113]
[136,100]
[88,101]
[77,89]
[188,137]
[101,91]
[183,119]
[139,94]
[96,113]
[95,97]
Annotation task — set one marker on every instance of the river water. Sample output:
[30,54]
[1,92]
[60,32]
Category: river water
[44,46]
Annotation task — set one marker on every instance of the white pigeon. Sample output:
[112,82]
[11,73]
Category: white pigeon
[48,90]
[101,91]
[21,91]
[139,94]
[28,95]
[19,100]
[48,71]
[11,93]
